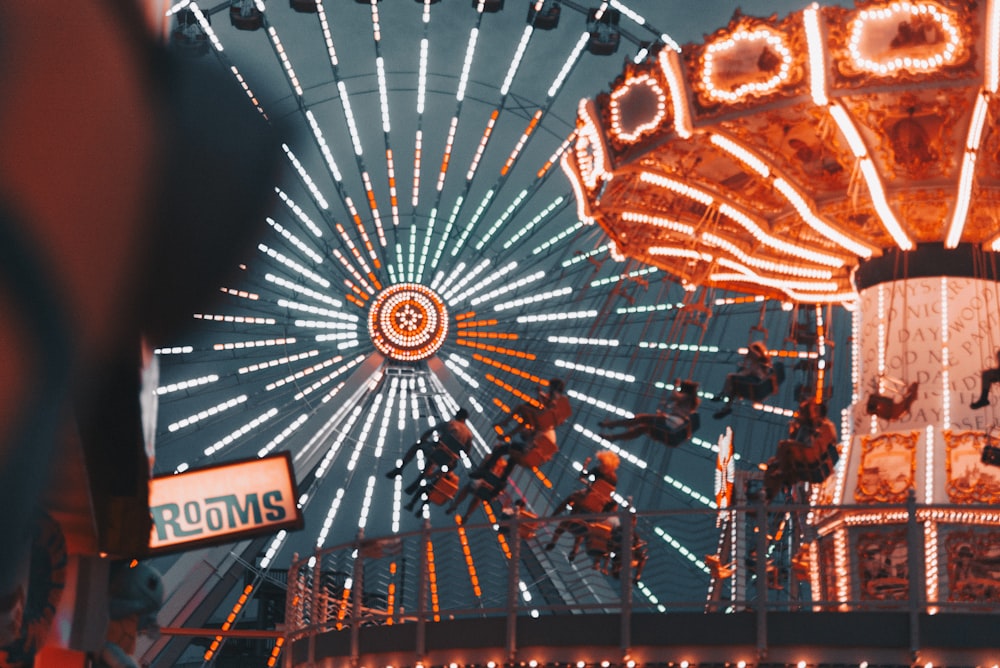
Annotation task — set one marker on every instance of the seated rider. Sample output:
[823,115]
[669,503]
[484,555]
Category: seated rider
[542,424]
[486,487]
[987,378]
[755,367]
[596,497]
[452,438]
[811,434]
[671,426]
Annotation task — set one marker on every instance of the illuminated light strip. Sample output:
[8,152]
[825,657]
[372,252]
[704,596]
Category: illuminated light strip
[298,375]
[528,399]
[502,219]
[806,213]
[285,62]
[530,225]
[338,441]
[432,581]
[589,151]
[422,75]
[354,272]
[729,301]
[966,180]
[246,89]
[469,563]
[327,33]
[624,277]
[711,447]
[487,281]
[281,361]
[754,261]
[580,341]
[650,596]
[447,229]
[678,187]
[671,67]
[228,623]
[206,26]
[472,221]
[366,504]
[304,175]
[817,56]
[470,50]
[352,127]
[175,350]
[280,438]
[457,270]
[931,561]
[483,141]
[425,249]
[331,513]
[570,62]
[533,299]
[509,287]
[299,213]
[688,554]
[383,93]
[991,80]
[445,159]
[315,310]
[797,295]
[301,289]
[272,550]
[362,231]
[325,380]
[362,440]
[528,131]
[345,336]
[821,350]
[741,153]
[557,155]
[603,405]
[331,164]
[579,193]
[686,347]
[515,62]
[464,323]
[393,197]
[841,565]
[293,265]
[673,251]
[874,182]
[559,237]
[242,431]
[252,296]
[207,413]
[942,19]
[186,384]
[758,233]
[496,349]
[342,603]
[242,319]
[553,317]
[383,429]
[643,128]
[373,206]
[295,241]
[595,371]
[491,335]
[658,221]
[467,277]
[453,362]
[354,249]
[506,367]
[417,153]
[772,39]
[787,284]
[648,308]
[614,447]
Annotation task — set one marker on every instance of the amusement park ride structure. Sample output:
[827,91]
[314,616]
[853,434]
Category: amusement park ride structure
[848,156]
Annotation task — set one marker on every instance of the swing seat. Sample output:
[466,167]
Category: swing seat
[554,415]
[596,497]
[760,389]
[823,468]
[444,454]
[676,429]
[541,450]
[887,408]
[444,488]
[526,528]
[598,539]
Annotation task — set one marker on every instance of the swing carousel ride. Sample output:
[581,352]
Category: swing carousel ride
[839,156]
[827,175]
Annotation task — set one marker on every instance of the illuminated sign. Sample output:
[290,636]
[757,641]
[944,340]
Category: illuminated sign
[223,503]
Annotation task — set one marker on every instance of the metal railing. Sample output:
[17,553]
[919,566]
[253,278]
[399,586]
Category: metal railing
[479,570]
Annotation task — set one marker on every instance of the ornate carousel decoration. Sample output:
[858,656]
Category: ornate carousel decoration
[843,156]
